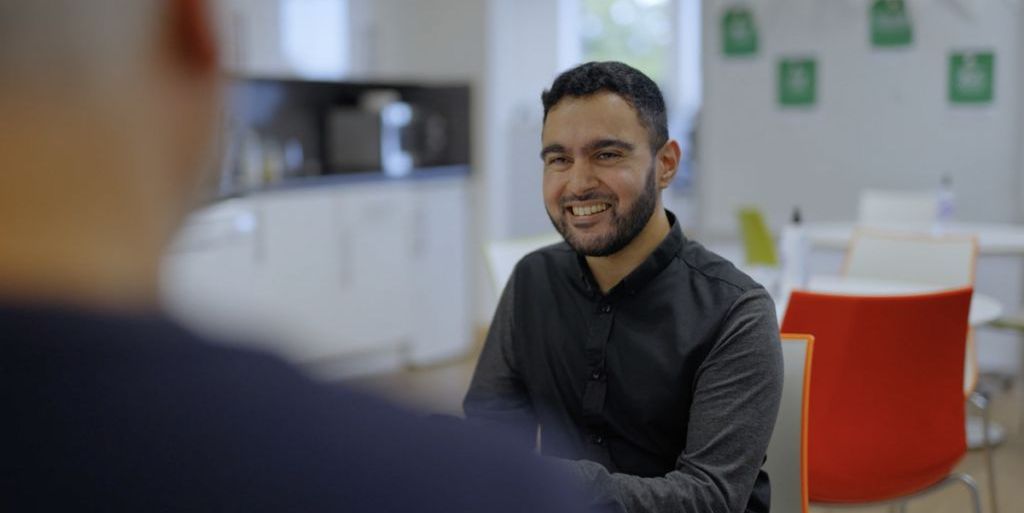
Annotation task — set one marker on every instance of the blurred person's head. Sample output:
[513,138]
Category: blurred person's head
[606,154]
[107,109]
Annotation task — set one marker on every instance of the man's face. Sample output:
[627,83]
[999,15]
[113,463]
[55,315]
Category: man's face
[600,188]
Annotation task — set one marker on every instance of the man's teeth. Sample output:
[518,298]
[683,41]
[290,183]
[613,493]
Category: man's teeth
[589,209]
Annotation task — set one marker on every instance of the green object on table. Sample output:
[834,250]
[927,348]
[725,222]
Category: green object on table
[798,81]
[758,245]
[972,77]
[890,24]
[739,32]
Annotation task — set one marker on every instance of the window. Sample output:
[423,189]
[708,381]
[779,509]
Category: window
[638,32]
[661,38]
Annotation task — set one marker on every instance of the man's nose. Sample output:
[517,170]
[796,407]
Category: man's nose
[582,178]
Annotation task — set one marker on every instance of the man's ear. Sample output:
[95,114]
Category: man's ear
[668,157]
[193,34]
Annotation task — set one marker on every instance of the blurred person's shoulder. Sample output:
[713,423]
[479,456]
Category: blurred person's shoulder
[119,412]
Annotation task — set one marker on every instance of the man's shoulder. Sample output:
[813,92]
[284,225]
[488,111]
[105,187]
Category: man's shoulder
[712,270]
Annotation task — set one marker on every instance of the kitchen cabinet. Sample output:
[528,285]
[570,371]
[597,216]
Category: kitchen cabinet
[214,262]
[301,275]
[331,275]
[440,314]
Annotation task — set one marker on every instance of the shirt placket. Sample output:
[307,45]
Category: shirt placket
[596,388]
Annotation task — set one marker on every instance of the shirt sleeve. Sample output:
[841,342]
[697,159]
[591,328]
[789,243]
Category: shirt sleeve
[736,400]
[497,394]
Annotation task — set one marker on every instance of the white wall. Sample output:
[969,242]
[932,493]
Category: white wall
[882,118]
[402,39]
[524,56]
[251,37]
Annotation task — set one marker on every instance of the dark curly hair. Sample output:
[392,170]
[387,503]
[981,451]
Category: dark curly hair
[626,81]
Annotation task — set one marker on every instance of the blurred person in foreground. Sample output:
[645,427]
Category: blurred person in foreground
[106,111]
[649,363]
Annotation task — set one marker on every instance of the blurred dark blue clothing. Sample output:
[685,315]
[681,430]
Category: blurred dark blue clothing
[108,413]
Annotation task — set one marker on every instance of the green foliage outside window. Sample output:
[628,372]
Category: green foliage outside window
[637,32]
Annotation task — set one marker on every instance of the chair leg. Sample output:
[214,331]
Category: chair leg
[972,488]
[986,416]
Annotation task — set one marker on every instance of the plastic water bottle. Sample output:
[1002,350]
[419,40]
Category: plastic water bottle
[793,253]
[945,204]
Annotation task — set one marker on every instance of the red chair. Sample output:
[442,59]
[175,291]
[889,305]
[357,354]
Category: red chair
[886,417]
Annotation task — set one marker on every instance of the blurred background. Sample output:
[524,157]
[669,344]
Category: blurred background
[374,148]
[381,177]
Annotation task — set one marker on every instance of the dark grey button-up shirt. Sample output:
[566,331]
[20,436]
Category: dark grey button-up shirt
[666,388]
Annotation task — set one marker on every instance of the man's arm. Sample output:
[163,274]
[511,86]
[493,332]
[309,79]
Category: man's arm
[497,393]
[736,400]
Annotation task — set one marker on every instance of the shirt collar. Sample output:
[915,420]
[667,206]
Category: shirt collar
[658,260]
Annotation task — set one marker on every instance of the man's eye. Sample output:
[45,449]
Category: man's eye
[607,155]
[557,161]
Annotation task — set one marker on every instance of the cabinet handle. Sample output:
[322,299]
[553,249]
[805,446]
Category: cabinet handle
[345,271]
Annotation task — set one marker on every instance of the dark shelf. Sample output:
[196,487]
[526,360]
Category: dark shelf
[282,113]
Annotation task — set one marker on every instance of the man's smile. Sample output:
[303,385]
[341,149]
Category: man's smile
[587,209]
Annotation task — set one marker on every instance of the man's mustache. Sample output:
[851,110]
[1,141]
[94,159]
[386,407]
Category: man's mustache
[565,200]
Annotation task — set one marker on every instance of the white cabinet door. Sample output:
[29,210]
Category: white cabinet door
[337,267]
[299,272]
[440,272]
[334,274]
[378,240]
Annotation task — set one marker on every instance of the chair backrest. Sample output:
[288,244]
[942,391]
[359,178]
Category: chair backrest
[943,261]
[787,450]
[886,414]
[885,208]
[758,246]
[503,255]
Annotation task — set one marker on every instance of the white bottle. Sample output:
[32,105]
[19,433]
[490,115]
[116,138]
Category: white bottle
[945,205]
[793,255]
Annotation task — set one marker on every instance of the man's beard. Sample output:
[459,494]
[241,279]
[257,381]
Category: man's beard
[626,226]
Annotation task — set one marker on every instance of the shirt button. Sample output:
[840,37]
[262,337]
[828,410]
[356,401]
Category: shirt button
[597,374]
[606,308]
[597,439]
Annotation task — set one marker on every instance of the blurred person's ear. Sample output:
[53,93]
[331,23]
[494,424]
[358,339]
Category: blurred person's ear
[193,34]
[188,101]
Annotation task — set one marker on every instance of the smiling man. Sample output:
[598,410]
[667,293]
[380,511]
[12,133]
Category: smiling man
[650,364]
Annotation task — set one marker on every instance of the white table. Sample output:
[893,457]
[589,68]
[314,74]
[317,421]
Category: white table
[993,238]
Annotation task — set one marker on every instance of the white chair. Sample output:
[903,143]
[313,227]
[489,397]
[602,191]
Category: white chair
[503,255]
[942,261]
[883,208]
[787,450]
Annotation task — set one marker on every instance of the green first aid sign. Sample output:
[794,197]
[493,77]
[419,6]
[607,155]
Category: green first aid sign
[972,77]
[739,32]
[798,82]
[890,24]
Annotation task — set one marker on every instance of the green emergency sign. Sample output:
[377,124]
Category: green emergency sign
[798,81]
[890,24]
[972,77]
[739,32]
